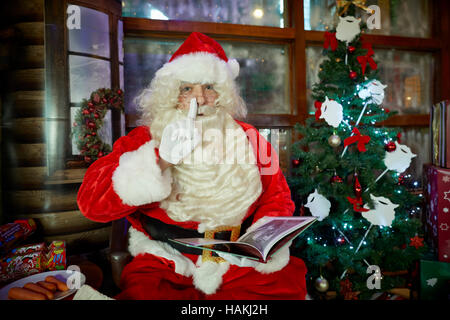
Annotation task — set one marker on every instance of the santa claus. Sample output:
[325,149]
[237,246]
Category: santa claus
[191,170]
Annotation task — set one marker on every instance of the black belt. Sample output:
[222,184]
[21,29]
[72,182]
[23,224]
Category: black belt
[161,231]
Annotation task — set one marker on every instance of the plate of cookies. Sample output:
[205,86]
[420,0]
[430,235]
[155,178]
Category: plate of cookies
[51,285]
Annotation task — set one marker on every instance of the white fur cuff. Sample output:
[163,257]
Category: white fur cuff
[139,243]
[138,179]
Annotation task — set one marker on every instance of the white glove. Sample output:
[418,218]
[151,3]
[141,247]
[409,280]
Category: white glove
[180,138]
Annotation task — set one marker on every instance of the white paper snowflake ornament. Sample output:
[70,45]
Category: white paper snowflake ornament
[318,205]
[347,29]
[400,159]
[332,112]
[373,90]
[383,214]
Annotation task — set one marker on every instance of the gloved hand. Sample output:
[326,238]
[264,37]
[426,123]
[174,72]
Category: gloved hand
[180,138]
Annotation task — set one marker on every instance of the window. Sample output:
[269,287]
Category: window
[90,63]
[282,40]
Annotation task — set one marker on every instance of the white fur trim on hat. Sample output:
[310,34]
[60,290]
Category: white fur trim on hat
[138,179]
[200,67]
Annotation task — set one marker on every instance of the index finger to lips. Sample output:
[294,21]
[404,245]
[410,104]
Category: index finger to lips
[193,109]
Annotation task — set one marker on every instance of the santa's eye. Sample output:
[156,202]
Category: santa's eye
[209,87]
[185,89]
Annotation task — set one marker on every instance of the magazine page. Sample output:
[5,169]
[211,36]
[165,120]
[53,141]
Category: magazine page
[264,237]
[235,248]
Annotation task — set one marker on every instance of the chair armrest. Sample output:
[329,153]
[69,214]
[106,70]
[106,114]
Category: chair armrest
[118,248]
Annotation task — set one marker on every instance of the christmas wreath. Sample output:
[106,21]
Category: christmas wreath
[89,119]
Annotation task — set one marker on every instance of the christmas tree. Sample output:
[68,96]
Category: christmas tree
[348,174]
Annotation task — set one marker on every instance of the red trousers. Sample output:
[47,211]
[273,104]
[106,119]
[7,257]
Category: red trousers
[148,277]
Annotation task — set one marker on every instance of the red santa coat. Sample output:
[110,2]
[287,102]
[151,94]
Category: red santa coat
[157,270]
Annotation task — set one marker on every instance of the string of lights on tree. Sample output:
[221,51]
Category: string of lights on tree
[350,173]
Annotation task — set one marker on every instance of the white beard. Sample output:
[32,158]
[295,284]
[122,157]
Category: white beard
[208,187]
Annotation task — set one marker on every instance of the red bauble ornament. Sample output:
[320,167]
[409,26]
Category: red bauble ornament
[353,75]
[104,100]
[100,154]
[96,115]
[90,104]
[390,146]
[91,125]
[85,112]
[336,179]
[351,49]
[295,163]
[87,159]
[357,187]
[119,91]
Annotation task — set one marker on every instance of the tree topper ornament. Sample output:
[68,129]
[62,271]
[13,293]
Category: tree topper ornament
[383,214]
[373,90]
[347,29]
[318,205]
[332,112]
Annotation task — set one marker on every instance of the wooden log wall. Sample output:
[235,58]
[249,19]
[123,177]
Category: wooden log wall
[28,190]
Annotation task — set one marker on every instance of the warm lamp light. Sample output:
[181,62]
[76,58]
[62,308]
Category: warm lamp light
[258,13]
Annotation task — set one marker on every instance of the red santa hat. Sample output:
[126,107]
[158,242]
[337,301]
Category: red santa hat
[200,59]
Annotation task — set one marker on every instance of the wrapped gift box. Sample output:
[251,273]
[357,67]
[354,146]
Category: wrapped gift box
[440,134]
[437,196]
[434,280]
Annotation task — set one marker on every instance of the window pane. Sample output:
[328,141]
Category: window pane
[418,139]
[263,77]
[120,39]
[409,76]
[121,75]
[87,75]
[93,35]
[280,139]
[408,18]
[251,12]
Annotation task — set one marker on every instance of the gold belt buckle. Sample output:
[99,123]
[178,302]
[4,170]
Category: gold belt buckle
[207,254]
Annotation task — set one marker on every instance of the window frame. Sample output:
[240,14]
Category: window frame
[297,40]
[58,91]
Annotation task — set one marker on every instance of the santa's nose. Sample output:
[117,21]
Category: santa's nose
[199,95]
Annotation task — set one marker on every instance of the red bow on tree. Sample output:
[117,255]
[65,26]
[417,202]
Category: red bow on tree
[330,41]
[363,60]
[359,138]
[357,204]
[318,106]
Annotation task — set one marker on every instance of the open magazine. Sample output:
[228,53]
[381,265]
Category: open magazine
[259,244]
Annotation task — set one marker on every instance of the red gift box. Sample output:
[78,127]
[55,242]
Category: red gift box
[437,195]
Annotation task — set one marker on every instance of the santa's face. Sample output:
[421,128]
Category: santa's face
[205,95]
